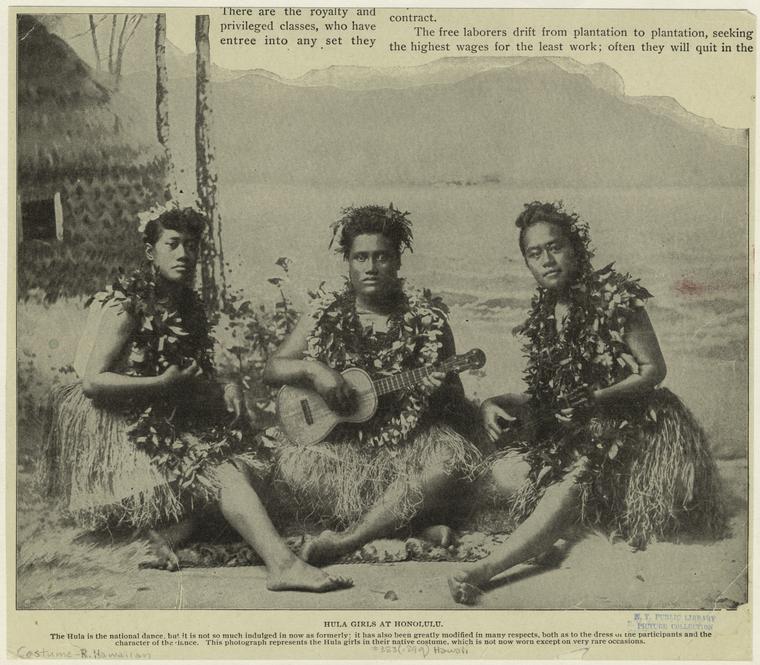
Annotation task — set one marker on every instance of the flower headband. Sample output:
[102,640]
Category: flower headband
[148,216]
[154,213]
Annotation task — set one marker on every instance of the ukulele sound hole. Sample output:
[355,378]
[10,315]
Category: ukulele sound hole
[307,412]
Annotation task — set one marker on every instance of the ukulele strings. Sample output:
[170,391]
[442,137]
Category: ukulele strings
[364,397]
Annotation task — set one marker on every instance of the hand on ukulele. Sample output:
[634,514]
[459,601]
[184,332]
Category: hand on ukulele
[432,382]
[331,385]
[175,376]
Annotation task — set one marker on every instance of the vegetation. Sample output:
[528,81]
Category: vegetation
[48,332]
[248,334]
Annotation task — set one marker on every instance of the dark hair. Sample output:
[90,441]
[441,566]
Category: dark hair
[182,220]
[569,223]
[372,219]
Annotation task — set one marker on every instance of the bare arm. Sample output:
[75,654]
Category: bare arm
[645,349]
[510,400]
[288,366]
[100,381]
[642,341]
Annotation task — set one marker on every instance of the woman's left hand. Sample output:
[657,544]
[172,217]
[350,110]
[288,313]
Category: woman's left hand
[432,382]
[234,401]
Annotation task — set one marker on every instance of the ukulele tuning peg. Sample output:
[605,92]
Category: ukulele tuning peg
[475,358]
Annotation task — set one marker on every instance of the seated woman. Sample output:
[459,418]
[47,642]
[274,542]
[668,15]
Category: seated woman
[600,442]
[141,440]
[372,477]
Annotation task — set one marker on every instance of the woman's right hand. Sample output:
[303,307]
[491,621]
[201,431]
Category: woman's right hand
[175,376]
[498,414]
[492,416]
[333,388]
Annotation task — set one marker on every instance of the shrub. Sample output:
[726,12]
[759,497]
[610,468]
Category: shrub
[248,335]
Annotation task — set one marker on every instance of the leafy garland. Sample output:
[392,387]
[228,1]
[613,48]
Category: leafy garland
[180,442]
[588,353]
[413,339]
[168,332]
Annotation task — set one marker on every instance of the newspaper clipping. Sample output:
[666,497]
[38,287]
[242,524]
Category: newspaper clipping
[379,333]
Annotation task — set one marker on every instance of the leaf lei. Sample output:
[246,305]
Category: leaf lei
[588,352]
[167,332]
[413,339]
[180,442]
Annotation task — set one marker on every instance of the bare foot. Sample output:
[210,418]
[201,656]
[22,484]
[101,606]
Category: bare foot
[297,575]
[166,559]
[166,541]
[551,558]
[440,535]
[463,590]
[326,547]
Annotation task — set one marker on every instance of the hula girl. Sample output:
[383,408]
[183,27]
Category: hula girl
[143,439]
[373,477]
[600,441]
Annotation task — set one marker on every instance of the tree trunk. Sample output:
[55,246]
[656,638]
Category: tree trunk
[95,43]
[162,104]
[212,257]
[119,55]
[111,44]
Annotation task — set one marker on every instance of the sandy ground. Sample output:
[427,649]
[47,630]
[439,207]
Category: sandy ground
[595,574]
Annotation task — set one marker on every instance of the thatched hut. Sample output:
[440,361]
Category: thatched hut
[89,156]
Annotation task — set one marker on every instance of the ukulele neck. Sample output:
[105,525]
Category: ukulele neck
[413,377]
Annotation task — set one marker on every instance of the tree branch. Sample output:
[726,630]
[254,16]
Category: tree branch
[93,26]
[111,44]
[134,28]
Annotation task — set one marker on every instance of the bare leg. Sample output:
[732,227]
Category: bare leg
[379,521]
[243,509]
[165,541]
[544,526]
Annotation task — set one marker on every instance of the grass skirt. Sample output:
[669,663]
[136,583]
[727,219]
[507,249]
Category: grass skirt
[336,482]
[98,476]
[664,482]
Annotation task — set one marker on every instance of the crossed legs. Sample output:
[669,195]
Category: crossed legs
[382,518]
[243,509]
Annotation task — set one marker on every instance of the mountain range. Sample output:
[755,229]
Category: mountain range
[509,120]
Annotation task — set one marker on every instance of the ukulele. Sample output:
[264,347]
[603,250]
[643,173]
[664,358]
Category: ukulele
[305,418]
